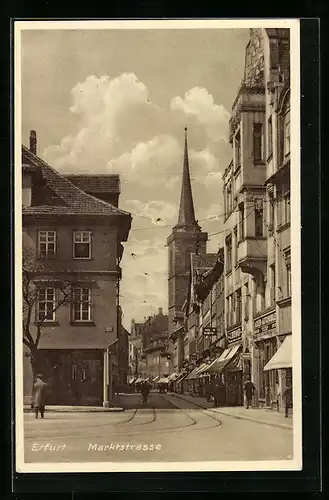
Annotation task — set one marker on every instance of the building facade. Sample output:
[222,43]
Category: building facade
[72,248]
[256,244]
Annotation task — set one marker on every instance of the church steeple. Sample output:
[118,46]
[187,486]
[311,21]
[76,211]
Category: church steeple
[186,215]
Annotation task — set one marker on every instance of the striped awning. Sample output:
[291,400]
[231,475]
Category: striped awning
[218,365]
[156,379]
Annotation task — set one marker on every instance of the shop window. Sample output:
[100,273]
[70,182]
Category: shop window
[258,142]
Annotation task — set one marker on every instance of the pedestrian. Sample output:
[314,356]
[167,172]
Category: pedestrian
[218,392]
[145,389]
[249,389]
[38,398]
[287,397]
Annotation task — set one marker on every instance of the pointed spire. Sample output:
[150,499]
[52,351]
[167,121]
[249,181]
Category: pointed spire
[186,216]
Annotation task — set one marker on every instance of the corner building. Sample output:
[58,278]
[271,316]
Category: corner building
[253,249]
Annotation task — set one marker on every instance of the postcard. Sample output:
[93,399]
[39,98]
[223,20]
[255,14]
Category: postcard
[157,245]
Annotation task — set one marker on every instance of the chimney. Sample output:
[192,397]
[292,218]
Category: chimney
[33,142]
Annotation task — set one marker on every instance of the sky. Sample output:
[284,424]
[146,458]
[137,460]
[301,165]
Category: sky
[117,101]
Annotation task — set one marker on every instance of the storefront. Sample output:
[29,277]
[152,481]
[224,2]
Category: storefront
[281,363]
[229,366]
[266,345]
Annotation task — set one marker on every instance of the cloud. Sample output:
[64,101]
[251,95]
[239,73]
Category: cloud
[198,103]
[120,130]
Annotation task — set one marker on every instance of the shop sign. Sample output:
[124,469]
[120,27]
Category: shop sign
[266,326]
[234,335]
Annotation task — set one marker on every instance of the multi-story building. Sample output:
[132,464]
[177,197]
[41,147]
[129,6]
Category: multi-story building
[251,247]
[72,248]
[141,337]
[157,359]
[186,238]
[135,347]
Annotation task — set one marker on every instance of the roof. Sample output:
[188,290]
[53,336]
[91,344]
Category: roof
[186,215]
[109,183]
[70,200]
[203,262]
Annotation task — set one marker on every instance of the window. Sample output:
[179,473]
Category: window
[258,142]
[228,311]
[269,138]
[82,245]
[259,222]
[46,304]
[238,306]
[82,304]
[235,232]
[229,254]
[246,301]
[287,134]
[237,145]
[273,284]
[229,202]
[286,208]
[46,244]
[288,272]
[271,214]
[241,221]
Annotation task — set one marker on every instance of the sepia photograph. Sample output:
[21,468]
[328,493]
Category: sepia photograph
[157,246]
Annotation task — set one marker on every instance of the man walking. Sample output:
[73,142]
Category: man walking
[249,389]
[38,397]
[145,391]
[287,396]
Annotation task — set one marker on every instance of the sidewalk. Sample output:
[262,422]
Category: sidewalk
[75,409]
[260,415]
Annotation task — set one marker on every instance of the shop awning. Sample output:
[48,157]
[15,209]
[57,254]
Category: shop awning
[173,376]
[204,369]
[223,360]
[181,377]
[194,373]
[156,379]
[138,381]
[283,356]
[163,381]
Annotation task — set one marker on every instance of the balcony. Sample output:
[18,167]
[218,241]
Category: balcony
[252,256]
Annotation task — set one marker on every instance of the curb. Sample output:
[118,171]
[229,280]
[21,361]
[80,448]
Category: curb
[77,410]
[238,417]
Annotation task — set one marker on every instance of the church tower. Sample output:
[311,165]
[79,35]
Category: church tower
[186,238]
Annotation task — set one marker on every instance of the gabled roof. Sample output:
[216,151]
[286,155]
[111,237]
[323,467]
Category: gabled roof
[70,200]
[203,262]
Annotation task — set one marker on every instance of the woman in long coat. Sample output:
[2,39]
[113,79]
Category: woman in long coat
[39,396]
